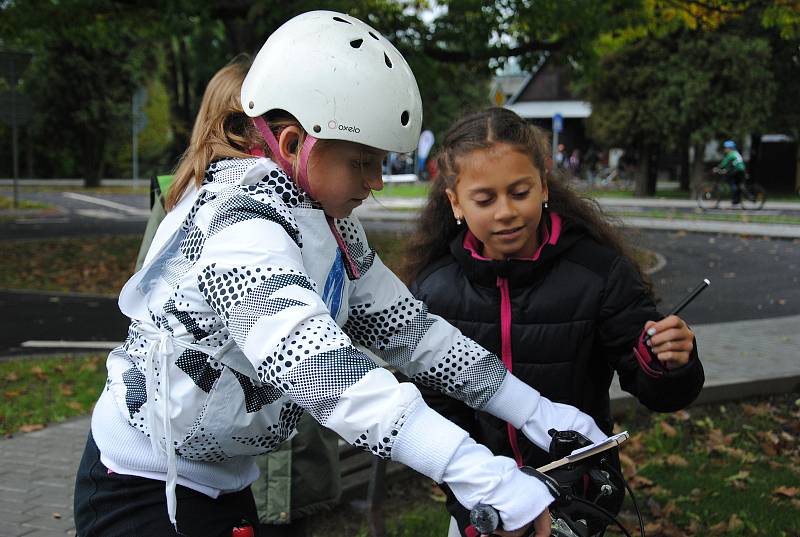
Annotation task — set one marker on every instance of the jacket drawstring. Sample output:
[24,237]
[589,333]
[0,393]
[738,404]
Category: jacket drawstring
[505,348]
[160,352]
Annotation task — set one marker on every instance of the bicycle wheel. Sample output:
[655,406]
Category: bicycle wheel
[753,196]
[708,196]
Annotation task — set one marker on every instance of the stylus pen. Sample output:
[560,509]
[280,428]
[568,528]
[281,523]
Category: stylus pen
[686,301]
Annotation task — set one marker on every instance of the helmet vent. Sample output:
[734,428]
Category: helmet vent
[387,60]
[339,19]
[356,43]
[317,128]
[375,37]
[404,118]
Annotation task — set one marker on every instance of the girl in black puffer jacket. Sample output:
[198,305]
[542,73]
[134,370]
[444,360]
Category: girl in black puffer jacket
[540,277]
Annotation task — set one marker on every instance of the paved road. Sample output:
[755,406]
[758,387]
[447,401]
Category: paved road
[76,214]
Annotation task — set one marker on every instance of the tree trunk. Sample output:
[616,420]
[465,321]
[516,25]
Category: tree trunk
[698,169]
[684,179]
[29,150]
[646,180]
[92,161]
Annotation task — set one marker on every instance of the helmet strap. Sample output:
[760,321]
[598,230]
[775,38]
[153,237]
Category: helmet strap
[286,166]
[302,181]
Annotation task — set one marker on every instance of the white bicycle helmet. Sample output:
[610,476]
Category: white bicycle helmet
[340,78]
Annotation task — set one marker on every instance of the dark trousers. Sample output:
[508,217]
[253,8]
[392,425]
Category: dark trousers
[735,179]
[115,505]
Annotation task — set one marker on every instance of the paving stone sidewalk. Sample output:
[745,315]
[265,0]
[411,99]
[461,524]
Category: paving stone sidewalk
[37,469]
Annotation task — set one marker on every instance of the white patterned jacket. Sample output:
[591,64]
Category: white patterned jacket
[244,315]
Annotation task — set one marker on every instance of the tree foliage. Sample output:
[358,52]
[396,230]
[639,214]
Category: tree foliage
[660,90]
[92,55]
[687,71]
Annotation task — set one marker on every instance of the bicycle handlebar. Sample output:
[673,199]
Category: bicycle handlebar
[486,519]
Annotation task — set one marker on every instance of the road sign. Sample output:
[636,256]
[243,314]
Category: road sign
[12,64]
[558,123]
[137,110]
[15,108]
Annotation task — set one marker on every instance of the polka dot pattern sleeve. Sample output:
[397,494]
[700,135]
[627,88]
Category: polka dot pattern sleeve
[251,273]
[388,320]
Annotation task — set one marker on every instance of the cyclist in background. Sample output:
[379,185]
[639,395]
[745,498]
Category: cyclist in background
[732,167]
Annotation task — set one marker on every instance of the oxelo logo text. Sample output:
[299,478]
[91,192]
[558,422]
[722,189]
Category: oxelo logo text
[332,124]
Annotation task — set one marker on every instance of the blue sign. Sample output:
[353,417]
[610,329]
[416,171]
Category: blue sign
[558,123]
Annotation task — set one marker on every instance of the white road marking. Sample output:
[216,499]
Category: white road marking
[102,214]
[112,204]
[61,344]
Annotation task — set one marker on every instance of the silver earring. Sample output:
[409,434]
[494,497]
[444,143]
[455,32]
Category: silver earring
[545,204]
[458,221]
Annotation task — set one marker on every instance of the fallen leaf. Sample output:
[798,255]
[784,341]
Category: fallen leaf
[31,427]
[735,523]
[789,492]
[718,529]
[668,429]
[742,474]
[12,377]
[11,394]
[57,516]
[757,410]
[681,415]
[670,508]
[640,482]
[66,391]
[38,372]
[652,527]
[677,460]
[74,405]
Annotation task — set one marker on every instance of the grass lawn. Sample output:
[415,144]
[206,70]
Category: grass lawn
[39,391]
[403,190]
[725,470]
[98,264]
[7,202]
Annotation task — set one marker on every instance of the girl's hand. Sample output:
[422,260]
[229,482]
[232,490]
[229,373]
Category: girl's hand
[671,341]
[541,524]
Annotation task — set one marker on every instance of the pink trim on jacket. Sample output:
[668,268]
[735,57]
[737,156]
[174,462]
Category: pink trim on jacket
[474,247]
[550,235]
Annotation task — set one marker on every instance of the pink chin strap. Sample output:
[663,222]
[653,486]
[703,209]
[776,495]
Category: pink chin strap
[302,168]
[304,185]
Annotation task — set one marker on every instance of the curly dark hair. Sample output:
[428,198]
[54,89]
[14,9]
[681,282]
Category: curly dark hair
[437,227]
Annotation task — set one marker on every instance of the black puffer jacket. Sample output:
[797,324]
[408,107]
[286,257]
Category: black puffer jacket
[576,314]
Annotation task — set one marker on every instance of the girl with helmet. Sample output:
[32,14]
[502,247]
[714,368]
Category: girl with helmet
[254,294]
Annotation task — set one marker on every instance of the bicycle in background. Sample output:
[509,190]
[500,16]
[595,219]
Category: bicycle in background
[712,192]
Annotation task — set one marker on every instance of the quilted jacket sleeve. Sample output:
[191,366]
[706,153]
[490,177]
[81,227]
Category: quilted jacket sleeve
[625,309]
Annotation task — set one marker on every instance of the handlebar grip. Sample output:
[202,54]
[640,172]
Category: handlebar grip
[485,518]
